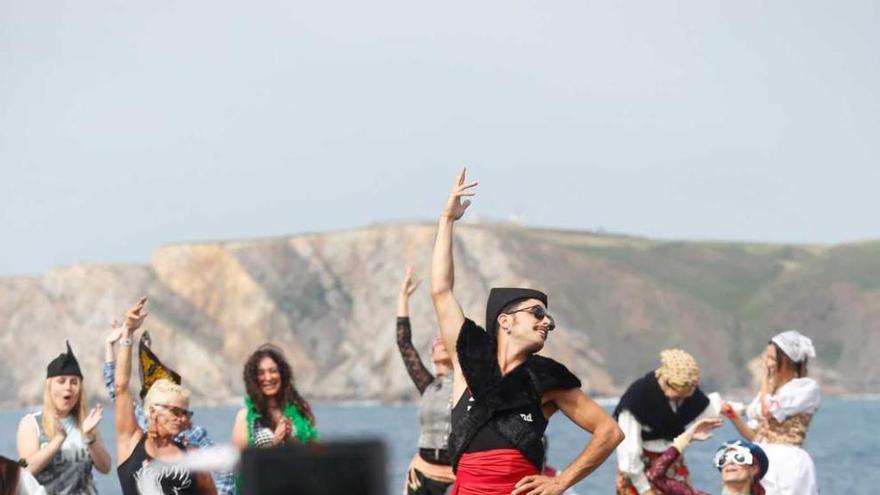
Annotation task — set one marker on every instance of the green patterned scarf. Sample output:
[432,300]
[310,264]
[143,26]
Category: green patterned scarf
[305,432]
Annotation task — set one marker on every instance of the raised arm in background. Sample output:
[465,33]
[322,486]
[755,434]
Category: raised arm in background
[416,368]
[128,433]
[116,331]
[449,313]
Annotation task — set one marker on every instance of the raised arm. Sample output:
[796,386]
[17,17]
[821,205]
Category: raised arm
[605,436]
[127,430]
[449,312]
[417,370]
[741,426]
[116,331]
[700,430]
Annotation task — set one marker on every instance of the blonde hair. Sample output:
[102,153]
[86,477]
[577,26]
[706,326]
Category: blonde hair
[161,391]
[79,410]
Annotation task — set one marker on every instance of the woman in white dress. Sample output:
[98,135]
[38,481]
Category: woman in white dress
[781,413]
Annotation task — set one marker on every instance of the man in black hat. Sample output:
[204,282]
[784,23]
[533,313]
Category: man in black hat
[503,393]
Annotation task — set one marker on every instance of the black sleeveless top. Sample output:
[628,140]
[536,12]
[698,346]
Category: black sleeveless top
[140,473]
[502,411]
[487,438]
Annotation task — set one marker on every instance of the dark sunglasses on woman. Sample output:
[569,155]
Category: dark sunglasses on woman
[178,411]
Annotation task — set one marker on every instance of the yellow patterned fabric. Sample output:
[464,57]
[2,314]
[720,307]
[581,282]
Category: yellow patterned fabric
[791,431]
[678,368]
[152,369]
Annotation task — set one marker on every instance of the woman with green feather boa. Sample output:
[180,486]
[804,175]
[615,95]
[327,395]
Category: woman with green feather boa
[274,413]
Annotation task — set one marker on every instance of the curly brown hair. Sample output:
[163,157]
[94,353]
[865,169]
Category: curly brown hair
[289,393]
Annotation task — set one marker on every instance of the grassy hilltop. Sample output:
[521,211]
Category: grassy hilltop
[329,300]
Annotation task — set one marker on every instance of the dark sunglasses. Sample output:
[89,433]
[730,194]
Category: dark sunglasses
[538,312]
[178,411]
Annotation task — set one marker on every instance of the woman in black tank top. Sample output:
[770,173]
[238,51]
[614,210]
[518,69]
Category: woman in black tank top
[146,459]
[141,474]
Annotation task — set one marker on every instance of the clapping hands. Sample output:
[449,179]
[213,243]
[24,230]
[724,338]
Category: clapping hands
[89,426]
[282,431]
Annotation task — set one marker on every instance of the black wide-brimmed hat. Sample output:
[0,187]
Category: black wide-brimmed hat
[64,364]
[499,297]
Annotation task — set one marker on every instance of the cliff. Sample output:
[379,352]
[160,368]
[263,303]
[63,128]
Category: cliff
[328,299]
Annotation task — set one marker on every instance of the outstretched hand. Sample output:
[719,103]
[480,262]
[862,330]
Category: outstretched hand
[538,484]
[136,315]
[702,429]
[409,284]
[455,207]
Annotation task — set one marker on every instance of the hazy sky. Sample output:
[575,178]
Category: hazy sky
[125,125]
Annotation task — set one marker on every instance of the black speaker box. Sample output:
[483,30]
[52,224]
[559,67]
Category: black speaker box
[340,467]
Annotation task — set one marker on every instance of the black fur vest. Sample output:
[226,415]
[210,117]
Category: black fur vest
[497,399]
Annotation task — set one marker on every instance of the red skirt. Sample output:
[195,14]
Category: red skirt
[493,472]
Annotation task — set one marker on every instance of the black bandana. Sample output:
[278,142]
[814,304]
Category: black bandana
[499,297]
[64,364]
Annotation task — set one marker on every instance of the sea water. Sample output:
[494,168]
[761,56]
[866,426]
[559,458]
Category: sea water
[844,441]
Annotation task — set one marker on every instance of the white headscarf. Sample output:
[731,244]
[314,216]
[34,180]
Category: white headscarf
[795,345]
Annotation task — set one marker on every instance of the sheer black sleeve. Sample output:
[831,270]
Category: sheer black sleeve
[420,375]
